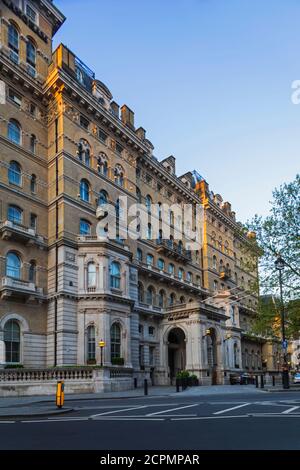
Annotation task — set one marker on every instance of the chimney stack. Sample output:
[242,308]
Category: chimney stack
[127,116]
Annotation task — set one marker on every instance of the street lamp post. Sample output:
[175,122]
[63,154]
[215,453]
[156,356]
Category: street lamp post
[101,344]
[279,265]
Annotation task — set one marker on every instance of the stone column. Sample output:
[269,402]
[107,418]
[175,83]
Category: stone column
[2,350]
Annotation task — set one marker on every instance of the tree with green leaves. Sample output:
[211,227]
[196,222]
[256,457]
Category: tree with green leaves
[279,233]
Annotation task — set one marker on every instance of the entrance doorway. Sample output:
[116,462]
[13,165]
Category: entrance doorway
[176,352]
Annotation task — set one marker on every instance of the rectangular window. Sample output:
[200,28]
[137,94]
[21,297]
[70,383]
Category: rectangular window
[32,109]
[14,97]
[102,136]
[31,13]
[119,148]
[33,221]
[84,122]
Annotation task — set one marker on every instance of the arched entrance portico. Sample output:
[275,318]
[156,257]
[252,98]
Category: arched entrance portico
[212,355]
[176,352]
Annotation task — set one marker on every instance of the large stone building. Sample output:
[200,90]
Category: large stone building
[66,149]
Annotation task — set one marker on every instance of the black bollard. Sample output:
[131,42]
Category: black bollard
[262,381]
[177,385]
[135,382]
[145,387]
[256,381]
[273,380]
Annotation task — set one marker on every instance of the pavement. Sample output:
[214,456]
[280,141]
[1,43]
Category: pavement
[38,406]
[237,417]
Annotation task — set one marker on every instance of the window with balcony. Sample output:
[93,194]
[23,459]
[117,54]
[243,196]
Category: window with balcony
[84,227]
[140,292]
[161,264]
[139,255]
[189,276]
[13,265]
[84,190]
[161,298]
[172,299]
[182,300]
[12,341]
[115,275]
[180,273]
[150,259]
[15,214]
[14,132]
[171,269]
[13,42]
[150,295]
[31,58]
[15,173]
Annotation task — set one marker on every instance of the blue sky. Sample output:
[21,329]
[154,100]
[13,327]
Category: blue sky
[210,81]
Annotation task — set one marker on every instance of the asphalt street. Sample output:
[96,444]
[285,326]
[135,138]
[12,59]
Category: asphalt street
[263,421]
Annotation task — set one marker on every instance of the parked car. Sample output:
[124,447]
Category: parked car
[242,378]
[296,379]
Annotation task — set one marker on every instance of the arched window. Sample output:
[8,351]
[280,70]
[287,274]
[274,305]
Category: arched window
[12,339]
[180,273]
[180,247]
[14,132]
[161,298]
[15,173]
[13,43]
[91,274]
[214,262]
[140,292]
[91,344]
[103,198]
[215,285]
[33,184]
[220,243]
[32,271]
[161,264]
[150,295]
[102,164]
[148,201]
[115,341]
[115,275]
[221,266]
[182,300]
[119,175]
[236,278]
[13,265]
[31,58]
[189,276]
[84,227]
[171,218]
[84,190]
[32,143]
[226,246]
[15,214]
[84,152]
[172,299]
[160,235]
[171,269]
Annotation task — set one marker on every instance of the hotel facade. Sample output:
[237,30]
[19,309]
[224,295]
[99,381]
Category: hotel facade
[66,150]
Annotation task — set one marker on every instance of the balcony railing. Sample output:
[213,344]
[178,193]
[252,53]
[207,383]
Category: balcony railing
[20,287]
[171,248]
[18,232]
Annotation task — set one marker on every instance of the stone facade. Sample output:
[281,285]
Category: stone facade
[65,144]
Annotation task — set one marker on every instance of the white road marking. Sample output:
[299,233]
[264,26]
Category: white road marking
[210,417]
[230,409]
[54,420]
[290,410]
[126,418]
[118,411]
[7,422]
[171,410]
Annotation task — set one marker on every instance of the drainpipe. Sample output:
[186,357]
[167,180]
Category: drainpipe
[56,247]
